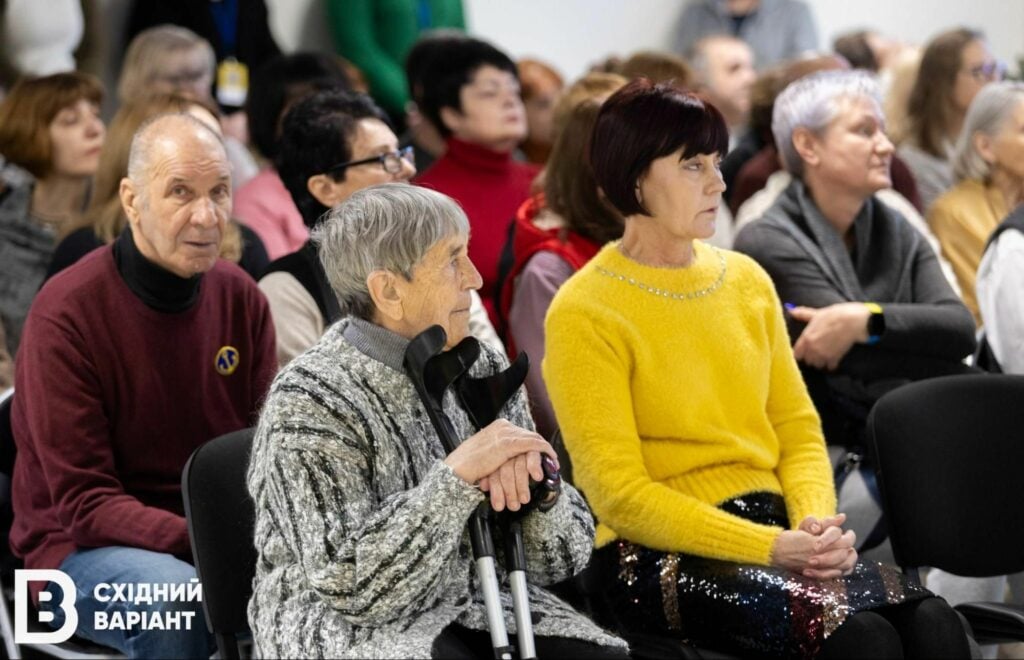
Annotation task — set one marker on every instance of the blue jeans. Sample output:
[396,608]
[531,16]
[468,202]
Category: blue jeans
[120,565]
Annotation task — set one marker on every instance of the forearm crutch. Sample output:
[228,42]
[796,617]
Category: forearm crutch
[432,371]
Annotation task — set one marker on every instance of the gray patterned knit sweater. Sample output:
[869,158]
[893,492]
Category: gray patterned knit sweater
[360,526]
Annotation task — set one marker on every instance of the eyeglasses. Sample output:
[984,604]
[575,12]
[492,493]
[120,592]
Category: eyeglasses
[391,161]
[986,71]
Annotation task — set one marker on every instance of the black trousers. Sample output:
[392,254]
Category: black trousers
[460,643]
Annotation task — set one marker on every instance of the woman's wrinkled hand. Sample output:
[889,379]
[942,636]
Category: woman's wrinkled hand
[501,458]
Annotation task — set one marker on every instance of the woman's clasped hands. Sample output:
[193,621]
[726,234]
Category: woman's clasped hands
[817,548]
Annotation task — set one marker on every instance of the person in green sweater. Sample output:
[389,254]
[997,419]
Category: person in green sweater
[376,36]
[690,429]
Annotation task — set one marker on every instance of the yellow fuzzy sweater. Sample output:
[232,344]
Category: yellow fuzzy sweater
[669,407]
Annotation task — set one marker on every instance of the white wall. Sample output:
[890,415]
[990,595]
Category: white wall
[915,21]
[299,24]
[571,34]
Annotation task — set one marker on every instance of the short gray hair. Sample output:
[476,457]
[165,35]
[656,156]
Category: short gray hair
[697,53]
[390,227]
[812,102]
[988,114]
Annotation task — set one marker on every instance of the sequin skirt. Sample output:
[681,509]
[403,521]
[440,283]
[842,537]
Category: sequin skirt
[741,608]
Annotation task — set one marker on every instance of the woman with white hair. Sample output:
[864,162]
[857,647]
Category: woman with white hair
[868,306]
[989,167]
[361,518]
[980,240]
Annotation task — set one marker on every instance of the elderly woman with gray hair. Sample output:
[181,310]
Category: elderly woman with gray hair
[361,518]
[989,167]
[982,233]
[868,306]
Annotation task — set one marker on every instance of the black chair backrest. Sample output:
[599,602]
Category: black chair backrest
[949,453]
[221,525]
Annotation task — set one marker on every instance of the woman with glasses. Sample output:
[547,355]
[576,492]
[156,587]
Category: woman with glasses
[955,66]
[332,144]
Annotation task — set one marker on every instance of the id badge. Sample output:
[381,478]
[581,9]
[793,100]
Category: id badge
[232,83]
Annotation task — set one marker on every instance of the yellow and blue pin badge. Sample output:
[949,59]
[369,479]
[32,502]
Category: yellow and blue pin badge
[227,360]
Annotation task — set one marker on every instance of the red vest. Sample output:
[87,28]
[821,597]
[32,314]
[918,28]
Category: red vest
[528,240]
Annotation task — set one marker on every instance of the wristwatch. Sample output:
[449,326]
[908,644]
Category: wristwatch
[876,322]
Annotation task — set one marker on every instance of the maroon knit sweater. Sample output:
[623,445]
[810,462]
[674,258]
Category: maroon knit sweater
[111,398]
[490,186]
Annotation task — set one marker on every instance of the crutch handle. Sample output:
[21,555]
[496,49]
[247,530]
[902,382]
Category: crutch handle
[544,493]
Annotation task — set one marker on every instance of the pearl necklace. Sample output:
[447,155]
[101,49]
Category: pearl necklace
[664,293]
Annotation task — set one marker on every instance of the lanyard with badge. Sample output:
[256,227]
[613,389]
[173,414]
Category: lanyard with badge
[232,75]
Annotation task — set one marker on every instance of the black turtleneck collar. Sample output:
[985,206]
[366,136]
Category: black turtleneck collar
[157,287]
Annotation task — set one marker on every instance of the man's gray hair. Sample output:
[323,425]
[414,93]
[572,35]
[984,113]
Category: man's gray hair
[990,110]
[697,53]
[385,227]
[813,102]
[140,152]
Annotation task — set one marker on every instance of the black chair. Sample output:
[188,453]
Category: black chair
[948,456]
[221,519]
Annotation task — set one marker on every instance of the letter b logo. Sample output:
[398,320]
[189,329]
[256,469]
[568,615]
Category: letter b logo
[67,604]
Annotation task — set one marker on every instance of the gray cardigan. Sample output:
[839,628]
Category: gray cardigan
[926,325]
[361,527]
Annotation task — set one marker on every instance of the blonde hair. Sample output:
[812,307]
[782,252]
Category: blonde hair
[592,85]
[660,67]
[902,76]
[146,52]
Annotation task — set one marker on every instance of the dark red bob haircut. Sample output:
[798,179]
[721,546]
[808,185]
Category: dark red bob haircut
[643,122]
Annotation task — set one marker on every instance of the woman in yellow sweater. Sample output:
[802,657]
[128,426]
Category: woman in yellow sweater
[690,429]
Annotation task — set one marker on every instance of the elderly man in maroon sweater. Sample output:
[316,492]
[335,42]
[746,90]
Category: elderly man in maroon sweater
[131,359]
